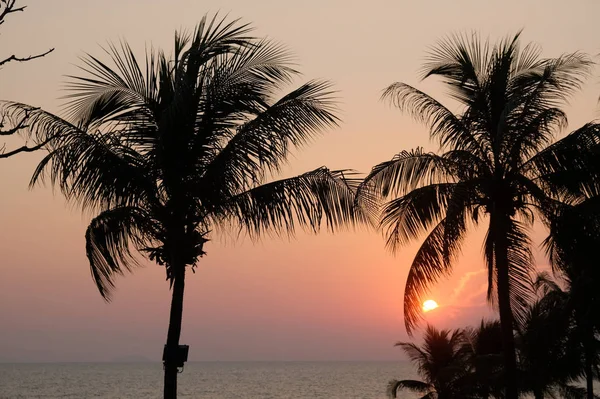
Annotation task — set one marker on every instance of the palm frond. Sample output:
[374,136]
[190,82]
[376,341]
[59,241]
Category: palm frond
[572,392]
[406,218]
[213,37]
[520,267]
[108,239]
[109,91]
[551,82]
[236,87]
[414,353]
[37,124]
[411,385]
[405,172]
[258,70]
[534,134]
[97,171]
[304,201]
[569,168]
[528,59]
[545,284]
[574,235]
[427,268]
[93,168]
[462,62]
[459,210]
[487,338]
[263,143]
[537,93]
[448,128]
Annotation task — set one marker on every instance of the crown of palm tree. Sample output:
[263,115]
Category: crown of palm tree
[169,150]
[441,361]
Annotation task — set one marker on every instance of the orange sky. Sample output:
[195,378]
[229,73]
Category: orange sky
[336,297]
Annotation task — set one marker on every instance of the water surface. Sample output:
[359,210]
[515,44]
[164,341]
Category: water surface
[206,380]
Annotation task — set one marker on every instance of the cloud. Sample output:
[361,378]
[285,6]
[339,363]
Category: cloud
[463,282]
[475,297]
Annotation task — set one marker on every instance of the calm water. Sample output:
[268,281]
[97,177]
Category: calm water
[211,380]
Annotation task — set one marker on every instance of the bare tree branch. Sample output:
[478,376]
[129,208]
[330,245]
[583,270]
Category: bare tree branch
[24,59]
[9,7]
[24,148]
[20,125]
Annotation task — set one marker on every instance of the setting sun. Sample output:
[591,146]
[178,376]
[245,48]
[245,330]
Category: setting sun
[429,305]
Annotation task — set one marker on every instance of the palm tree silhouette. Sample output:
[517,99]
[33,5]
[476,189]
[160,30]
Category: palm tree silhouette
[169,151]
[498,162]
[441,362]
[549,362]
[572,246]
[483,346]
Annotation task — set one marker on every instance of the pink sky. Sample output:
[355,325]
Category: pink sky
[326,297]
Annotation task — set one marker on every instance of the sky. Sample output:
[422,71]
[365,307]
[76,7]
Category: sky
[314,297]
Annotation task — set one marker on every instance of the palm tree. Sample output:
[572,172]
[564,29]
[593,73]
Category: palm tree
[169,151]
[548,360]
[572,246]
[483,346]
[441,362]
[497,161]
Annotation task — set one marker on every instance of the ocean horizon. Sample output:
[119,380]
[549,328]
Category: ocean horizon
[204,379]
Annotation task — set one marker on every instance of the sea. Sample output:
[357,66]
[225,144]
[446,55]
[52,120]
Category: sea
[204,380]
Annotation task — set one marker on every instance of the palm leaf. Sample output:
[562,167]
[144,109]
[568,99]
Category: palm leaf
[236,87]
[461,61]
[107,92]
[572,392]
[413,214]
[427,268]
[407,171]
[37,125]
[97,171]
[263,143]
[521,265]
[443,124]
[303,201]
[569,168]
[412,385]
[108,239]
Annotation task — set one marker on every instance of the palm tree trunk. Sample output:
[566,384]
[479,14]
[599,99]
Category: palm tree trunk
[170,366]
[500,225]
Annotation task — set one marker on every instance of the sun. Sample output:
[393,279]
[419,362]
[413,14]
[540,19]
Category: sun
[429,304]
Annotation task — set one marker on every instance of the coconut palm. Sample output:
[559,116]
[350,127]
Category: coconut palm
[499,162]
[572,246]
[483,346]
[170,151]
[549,362]
[440,361]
